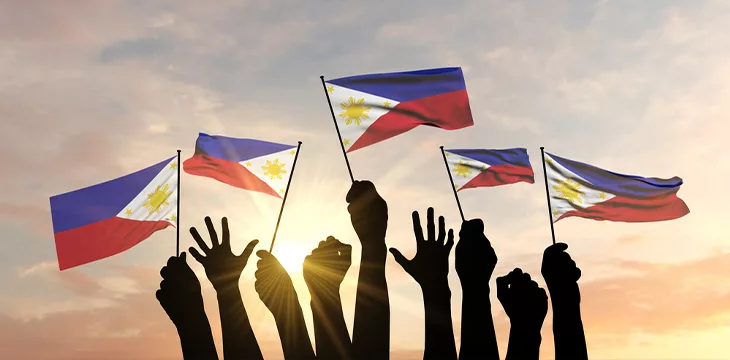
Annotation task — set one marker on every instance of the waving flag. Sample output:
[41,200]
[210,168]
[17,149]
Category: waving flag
[472,168]
[243,163]
[582,190]
[96,222]
[375,107]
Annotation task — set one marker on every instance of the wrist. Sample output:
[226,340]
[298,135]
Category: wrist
[436,290]
[226,288]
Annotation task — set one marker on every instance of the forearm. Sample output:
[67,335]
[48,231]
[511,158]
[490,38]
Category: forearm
[570,341]
[523,344]
[239,341]
[293,332]
[371,330]
[330,330]
[478,337]
[196,338]
[440,343]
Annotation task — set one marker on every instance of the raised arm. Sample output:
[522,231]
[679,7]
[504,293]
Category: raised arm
[371,329]
[180,296]
[475,262]
[430,268]
[223,269]
[323,272]
[561,276]
[276,290]
[526,306]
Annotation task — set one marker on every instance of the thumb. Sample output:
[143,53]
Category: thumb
[556,248]
[249,249]
[400,259]
[263,254]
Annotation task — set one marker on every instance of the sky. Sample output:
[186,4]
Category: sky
[95,89]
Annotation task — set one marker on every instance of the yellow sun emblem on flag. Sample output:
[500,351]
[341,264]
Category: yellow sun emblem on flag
[354,111]
[461,169]
[274,169]
[569,190]
[157,199]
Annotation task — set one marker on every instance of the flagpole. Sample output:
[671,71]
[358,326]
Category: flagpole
[453,187]
[547,193]
[334,119]
[276,229]
[177,219]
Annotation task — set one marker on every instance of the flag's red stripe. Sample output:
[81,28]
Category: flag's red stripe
[626,209]
[102,239]
[449,111]
[229,172]
[501,175]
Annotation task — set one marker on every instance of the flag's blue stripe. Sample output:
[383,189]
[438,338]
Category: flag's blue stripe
[234,149]
[620,184]
[406,86]
[99,202]
[514,156]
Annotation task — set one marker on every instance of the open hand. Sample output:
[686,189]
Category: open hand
[179,293]
[326,267]
[368,213]
[475,257]
[560,273]
[523,300]
[274,285]
[222,267]
[430,266]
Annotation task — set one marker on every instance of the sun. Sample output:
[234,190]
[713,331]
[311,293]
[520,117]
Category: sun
[461,169]
[354,111]
[157,199]
[290,256]
[274,169]
[569,190]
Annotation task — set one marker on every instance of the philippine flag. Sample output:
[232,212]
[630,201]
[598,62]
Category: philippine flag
[374,107]
[582,190]
[99,221]
[243,163]
[472,168]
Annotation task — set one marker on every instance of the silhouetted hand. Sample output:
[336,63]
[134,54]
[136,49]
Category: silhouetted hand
[561,274]
[326,267]
[475,257]
[430,266]
[274,285]
[179,290]
[222,267]
[368,213]
[523,300]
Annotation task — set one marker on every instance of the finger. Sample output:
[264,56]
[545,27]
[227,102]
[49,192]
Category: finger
[556,248]
[211,231]
[159,294]
[171,261]
[321,244]
[442,230]
[165,272]
[199,240]
[194,252]
[164,284]
[346,251]
[249,250]
[354,191]
[502,285]
[417,229]
[226,240]
[400,259]
[263,254]
[477,225]
[543,294]
[450,241]
[577,274]
[430,225]
[183,257]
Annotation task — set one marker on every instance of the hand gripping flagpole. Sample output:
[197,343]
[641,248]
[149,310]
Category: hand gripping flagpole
[276,229]
[334,119]
[177,219]
[547,193]
[453,187]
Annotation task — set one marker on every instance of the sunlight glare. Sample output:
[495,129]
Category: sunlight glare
[291,256]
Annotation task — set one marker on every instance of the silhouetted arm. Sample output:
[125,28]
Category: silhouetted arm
[526,306]
[180,296]
[475,262]
[561,276]
[223,269]
[276,290]
[430,268]
[323,272]
[371,330]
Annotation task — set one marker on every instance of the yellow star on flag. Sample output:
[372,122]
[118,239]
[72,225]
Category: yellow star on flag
[555,213]
[248,164]
[173,165]
[293,152]
[128,212]
[387,104]
[173,217]
[330,89]
[602,195]
[345,142]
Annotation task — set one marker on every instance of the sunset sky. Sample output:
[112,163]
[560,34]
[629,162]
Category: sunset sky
[95,89]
